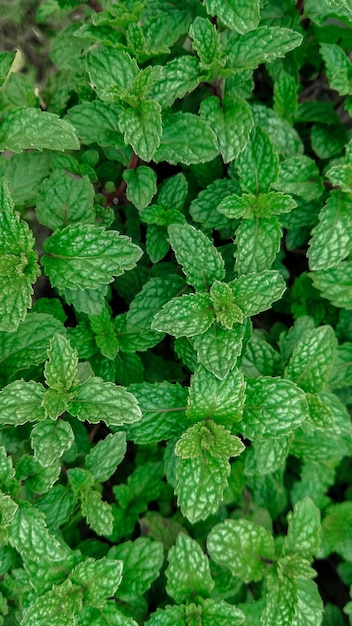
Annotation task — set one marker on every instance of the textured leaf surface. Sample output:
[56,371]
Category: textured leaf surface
[332,237]
[262,45]
[188,574]
[336,531]
[186,316]
[20,402]
[312,359]
[258,242]
[85,256]
[256,292]
[203,208]
[96,122]
[97,512]
[112,72]
[341,176]
[243,547]
[220,400]
[104,458]
[179,76]
[103,328]
[155,293]
[200,260]
[141,185]
[30,536]
[142,128]
[206,42]
[273,407]
[48,606]
[335,284]
[186,139]
[97,401]
[210,437]
[50,440]
[99,579]
[258,165]
[142,560]
[219,347]
[338,68]
[303,530]
[299,175]
[281,601]
[64,200]
[23,129]
[6,60]
[242,19]
[61,367]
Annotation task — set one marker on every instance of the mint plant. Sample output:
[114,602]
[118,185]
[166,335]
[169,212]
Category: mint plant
[175,313]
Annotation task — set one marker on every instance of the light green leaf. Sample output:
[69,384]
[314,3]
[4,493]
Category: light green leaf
[29,535]
[231,122]
[179,76]
[55,403]
[327,142]
[259,357]
[103,328]
[186,139]
[219,400]
[142,128]
[163,408]
[64,600]
[84,256]
[267,454]
[263,205]
[242,18]
[20,402]
[335,284]
[285,139]
[141,185]
[155,293]
[57,505]
[200,485]
[336,531]
[60,369]
[203,208]
[97,512]
[219,347]
[173,192]
[299,175]
[144,81]
[97,401]
[213,438]
[142,560]
[258,241]
[99,579]
[256,292]
[171,616]
[332,237]
[18,263]
[188,574]
[186,316]
[227,313]
[89,301]
[50,440]
[131,339]
[341,373]
[65,200]
[104,458]
[23,129]
[309,608]
[6,60]
[285,96]
[200,260]
[258,165]
[157,244]
[206,42]
[245,548]
[303,533]
[312,359]
[220,614]
[341,176]
[273,407]
[338,68]
[281,601]
[262,45]
[112,72]
[295,567]
[97,122]
[320,415]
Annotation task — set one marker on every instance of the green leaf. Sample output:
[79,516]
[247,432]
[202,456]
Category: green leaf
[163,408]
[173,192]
[200,485]
[336,531]
[48,606]
[320,415]
[332,237]
[171,616]
[178,77]
[267,454]
[341,176]
[186,139]
[338,68]
[256,292]
[219,400]
[60,370]
[262,45]
[231,120]
[309,608]
[281,601]
[89,301]
[299,175]
[206,42]
[20,402]
[65,200]
[50,440]
[285,96]
[261,206]
[258,241]
[285,139]
[210,437]
[259,357]
[341,373]
[188,574]
[99,579]
[141,185]
[97,512]
[155,293]
[200,261]
[104,458]
[142,128]
[23,129]
[57,505]
[203,208]
[220,614]
[227,313]
[97,401]
[312,359]
[258,165]
[335,284]
[6,60]
[29,535]
[219,347]
[18,264]
[85,256]
[97,122]
[273,407]
[103,328]
[157,244]
[242,19]
[245,548]
[303,533]
[295,567]
[112,72]
[142,560]
[186,316]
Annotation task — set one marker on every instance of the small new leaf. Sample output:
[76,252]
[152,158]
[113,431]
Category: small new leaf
[211,437]
[60,369]
[20,402]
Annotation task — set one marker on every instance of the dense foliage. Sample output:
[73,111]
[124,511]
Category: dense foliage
[175,313]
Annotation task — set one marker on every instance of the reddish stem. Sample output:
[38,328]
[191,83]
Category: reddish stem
[299,6]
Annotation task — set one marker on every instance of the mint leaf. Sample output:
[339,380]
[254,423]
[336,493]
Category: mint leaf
[89,301]
[206,42]
[219,400]
[208,436]
[179,76]
[285,96]
[219,347]
[338,68]
[48,606]
[18,264]
[96,122]
[142,128]
[23,129]
[341,176]
[85,256]
[98,579]
[60,370]
[259,357]
[336,531]
[245,548]
[284,137]
[50,440]
[256,292]
[231,122]
[262,45]
[335,284]
[260,206]
[155,293]
[188,574]
[6,61]
[141,185]
[29,535]
[258,165]
[220,614]
[200,261]
[332,237]
[267,454]
[281,601]
[311,361]
[299,175]
[186,139]
[227,313]
[309,606]
[96,400]
[104,458]
[97,512]
[142,560]
[258,242]
[303,533]
[103,328]
[203,208]
[112,73]
[20,402]
[273,407]
[65,200]
[186,316]
[241,19]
